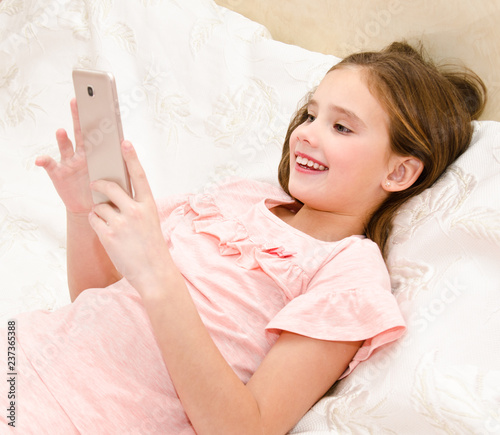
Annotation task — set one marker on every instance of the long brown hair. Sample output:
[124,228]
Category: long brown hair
[430,111]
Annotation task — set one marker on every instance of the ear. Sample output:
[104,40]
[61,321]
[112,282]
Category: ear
[404,171]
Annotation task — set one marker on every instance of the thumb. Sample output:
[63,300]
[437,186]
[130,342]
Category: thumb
[46,162]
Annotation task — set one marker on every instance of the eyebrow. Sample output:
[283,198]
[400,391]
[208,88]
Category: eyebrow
[348,113]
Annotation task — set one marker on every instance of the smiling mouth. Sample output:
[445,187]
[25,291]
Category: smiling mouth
[307,163]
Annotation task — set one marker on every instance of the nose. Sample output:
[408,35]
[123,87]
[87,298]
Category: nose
[308,132]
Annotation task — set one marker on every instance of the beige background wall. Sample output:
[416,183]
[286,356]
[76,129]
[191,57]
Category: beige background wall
[467,30]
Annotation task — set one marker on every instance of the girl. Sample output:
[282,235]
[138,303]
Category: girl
[235,310]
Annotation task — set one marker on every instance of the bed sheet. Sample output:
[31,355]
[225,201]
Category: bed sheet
[206,93]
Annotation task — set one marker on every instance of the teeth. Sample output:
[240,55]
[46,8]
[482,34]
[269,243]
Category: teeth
[303,161]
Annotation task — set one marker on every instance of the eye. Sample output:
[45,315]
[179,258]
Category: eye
[341,129]
[310,118]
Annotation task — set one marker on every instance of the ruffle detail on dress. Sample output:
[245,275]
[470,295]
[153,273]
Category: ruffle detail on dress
[233,239]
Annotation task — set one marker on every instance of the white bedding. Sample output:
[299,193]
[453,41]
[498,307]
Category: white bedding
[206,93]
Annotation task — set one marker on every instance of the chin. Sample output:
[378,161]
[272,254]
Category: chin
[298,193]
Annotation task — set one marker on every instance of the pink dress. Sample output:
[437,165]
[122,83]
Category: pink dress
[95,365]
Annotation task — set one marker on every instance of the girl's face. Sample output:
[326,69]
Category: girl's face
[339,157]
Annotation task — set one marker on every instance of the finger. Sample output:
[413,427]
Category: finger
[50,166]
[46,162]
[105,211]
[113,191]
[65,145]
[98,225]
[79,144]
[138,178]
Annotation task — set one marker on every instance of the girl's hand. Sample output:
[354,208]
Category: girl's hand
[130,229]
[70,176]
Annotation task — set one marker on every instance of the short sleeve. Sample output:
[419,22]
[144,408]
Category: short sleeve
[348,299]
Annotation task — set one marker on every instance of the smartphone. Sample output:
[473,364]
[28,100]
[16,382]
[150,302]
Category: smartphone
[101,126]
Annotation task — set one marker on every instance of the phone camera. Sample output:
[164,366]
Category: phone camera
[90,91]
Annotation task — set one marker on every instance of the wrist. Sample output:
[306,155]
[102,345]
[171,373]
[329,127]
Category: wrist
[162,288]
[78,216]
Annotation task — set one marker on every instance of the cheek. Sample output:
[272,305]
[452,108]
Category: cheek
[345,159]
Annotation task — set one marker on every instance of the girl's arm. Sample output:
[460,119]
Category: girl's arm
[88,263]
[293,376]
